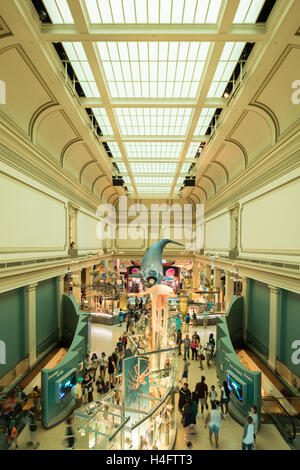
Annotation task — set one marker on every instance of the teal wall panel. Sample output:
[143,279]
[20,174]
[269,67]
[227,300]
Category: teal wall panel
[289,334]
[12,328]
[46,314]
[258,316]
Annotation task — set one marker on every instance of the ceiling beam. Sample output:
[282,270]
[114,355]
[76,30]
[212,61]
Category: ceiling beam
[150,102]
[229,8]
[152,32]
[81,23]
[154,138]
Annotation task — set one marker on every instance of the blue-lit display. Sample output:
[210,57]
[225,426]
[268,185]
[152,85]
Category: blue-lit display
[235,387]
[66,385]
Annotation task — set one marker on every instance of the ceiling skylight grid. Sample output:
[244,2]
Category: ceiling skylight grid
[114,148]
[229,58]
[153,168]
[153,11]
[153,69]
[59,11]
[202,126]
[81,66]
[153,179]
[153,189]
[153,150]
[103,121]
[153,121]
[248,11]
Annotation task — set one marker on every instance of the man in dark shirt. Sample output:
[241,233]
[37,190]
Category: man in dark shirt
[184,393]
[202,393]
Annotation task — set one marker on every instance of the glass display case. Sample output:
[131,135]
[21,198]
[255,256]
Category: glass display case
[149,422]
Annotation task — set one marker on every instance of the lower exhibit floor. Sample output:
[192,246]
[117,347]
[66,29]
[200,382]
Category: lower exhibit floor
[104,338]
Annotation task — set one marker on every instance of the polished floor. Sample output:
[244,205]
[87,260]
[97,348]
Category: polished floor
[104,338]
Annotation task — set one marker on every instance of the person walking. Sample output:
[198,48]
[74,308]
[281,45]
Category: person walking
[195,412]
[121,317]
[179,341]
[103,365]
[194,347]
[213,396]
[111,370]
[254,416]
[225,393]
[201,391]
[77,393]
[32,429]
[184,393]
[213,420]
[185,372]
[187,345]
[200,355]
[94,365]
[187,319]
[248,436]
[187,418]
[87,384]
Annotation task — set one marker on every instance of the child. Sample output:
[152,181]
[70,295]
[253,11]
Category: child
[100,385]
[213,396]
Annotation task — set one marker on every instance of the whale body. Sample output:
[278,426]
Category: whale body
[151,270]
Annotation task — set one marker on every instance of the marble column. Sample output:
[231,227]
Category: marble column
[229,288]
[273,325]
[245,282]
[30,303]
[77,289]
[207,271]
[217,278]
[60,292]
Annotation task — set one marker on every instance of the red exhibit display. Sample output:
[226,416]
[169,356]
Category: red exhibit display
[171,277]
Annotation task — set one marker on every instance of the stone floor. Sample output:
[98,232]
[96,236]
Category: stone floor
[104,338]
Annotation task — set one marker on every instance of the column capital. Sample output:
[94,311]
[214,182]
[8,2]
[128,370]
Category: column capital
[274,289]
[31,287]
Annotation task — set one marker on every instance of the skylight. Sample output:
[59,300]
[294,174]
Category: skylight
[153,11]
[154,179]
[230,56]
[248,11]
[79,62]
[59,11]
[153,69]
[153,150]
[204,121]
[153,121]
[103,121]
[114,148]
[153,189]
[194,146]
[153,168]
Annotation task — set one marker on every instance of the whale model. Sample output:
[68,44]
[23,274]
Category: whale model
[151,270]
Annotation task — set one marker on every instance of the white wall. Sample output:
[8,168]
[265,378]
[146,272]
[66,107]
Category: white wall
[33,218]
[217,232]
[86,233]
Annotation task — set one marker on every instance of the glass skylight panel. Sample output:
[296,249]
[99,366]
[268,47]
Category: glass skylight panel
[153,11]
[82,69]
[122,167]
[194,146]
[59,11]
[153,69]
[185,167]
[153,189]
[153,168]
[203,123]
[153,150]
[153,179]
[230,56]
[103,121]
[153,121]
[248,11]
[114,148]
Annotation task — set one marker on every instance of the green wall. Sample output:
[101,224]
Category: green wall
[46,314]
[12,328]
[258,316]
[289,330]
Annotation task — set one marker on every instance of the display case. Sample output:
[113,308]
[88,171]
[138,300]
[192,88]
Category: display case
[105,318]
[116,422]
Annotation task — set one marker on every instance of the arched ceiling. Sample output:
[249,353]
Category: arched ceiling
[153,83]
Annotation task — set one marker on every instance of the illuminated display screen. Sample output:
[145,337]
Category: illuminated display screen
[66,385]
[235,387]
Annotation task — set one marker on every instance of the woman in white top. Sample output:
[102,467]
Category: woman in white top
[213,420]
[213,395]
[248,437]
[253,414]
